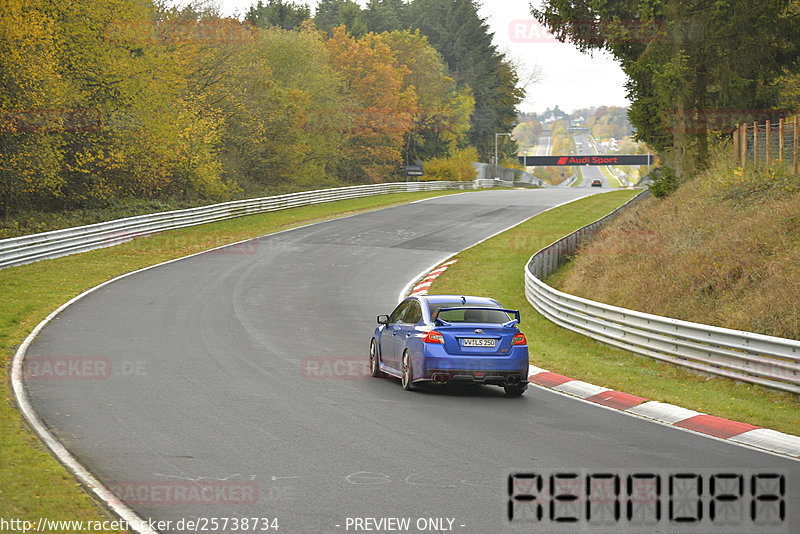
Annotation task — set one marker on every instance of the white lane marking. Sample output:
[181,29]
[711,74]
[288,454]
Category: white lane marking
[669,425]
[59,451]
[580,389]
[408,287]
[668,413]
[773,440]
[533,370]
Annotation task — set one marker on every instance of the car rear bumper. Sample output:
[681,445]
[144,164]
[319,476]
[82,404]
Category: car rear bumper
[499,370]
[497,378]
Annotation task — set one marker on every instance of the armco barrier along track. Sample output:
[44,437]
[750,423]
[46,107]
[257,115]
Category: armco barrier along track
[755,358]
[35,247]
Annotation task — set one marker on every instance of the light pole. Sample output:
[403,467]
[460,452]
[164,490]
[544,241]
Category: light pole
[496,159]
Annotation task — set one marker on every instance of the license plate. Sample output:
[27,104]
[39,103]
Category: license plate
[472,342]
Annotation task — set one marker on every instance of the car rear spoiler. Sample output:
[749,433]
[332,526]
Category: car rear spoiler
[515,313]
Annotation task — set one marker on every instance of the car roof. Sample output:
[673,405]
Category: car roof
[470,300]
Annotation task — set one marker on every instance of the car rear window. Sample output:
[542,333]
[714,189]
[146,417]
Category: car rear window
[466,315]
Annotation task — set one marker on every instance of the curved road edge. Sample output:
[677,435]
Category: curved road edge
[413,282]
[95,487]
[738,433]
[710,426]
[78,470]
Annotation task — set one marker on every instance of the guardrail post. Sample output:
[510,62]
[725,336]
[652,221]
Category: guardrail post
[755,143]
[794,165]
[736,141]
[743,144]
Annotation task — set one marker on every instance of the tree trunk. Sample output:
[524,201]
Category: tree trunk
[700,122]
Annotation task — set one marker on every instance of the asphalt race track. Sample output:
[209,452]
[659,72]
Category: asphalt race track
[244,370]
[590,172]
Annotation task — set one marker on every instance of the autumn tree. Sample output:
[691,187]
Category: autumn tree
[442,119]
[379,109]
[32,99]
[283,110]
[527,133]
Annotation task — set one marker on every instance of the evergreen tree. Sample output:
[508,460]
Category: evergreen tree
[457,31]
[386,15]
[333,13]
[687,61]
[286,15]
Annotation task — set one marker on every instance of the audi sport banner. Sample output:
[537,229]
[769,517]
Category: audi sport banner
[547,161]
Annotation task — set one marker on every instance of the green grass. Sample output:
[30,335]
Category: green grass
[32,483]
[612,178]
[580,179]
[479,272]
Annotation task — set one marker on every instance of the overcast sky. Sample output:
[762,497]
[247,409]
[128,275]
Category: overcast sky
[567,78]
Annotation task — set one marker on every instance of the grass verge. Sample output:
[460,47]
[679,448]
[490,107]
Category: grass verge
[579,180]
[32,483]
[495,268]
[613,181]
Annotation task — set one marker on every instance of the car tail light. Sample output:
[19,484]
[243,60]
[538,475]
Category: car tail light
[433,337]
[519,339]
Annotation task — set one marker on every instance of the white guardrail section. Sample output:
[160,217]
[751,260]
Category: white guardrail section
[35,247]
[770,361]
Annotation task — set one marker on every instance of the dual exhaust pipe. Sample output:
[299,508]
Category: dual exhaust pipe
[443,378]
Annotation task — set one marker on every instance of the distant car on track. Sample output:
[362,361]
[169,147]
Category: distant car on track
[446,338]
[597,183]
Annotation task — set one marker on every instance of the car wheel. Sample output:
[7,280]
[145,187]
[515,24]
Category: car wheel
[407,372]
[374,363]
[515,391]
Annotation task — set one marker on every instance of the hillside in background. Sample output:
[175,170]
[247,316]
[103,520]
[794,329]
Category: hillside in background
[724,249]
[139,101]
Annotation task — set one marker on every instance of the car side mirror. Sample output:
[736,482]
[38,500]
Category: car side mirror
[383,319]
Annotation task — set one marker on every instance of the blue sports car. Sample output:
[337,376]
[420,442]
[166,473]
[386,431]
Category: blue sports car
[447,338]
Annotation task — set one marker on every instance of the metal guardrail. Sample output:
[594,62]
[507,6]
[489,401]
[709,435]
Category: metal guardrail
[491,182]
[770,361]
[35,247]
[487,172]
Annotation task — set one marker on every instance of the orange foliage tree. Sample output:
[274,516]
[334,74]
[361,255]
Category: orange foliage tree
[379,109]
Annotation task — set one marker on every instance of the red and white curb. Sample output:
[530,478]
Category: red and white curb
[423,285]
[669,414]
[716,427]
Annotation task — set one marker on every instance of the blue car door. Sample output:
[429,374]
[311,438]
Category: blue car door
[389,337]
[406,330]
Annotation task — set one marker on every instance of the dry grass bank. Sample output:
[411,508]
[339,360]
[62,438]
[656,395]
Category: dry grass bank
[724,249]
